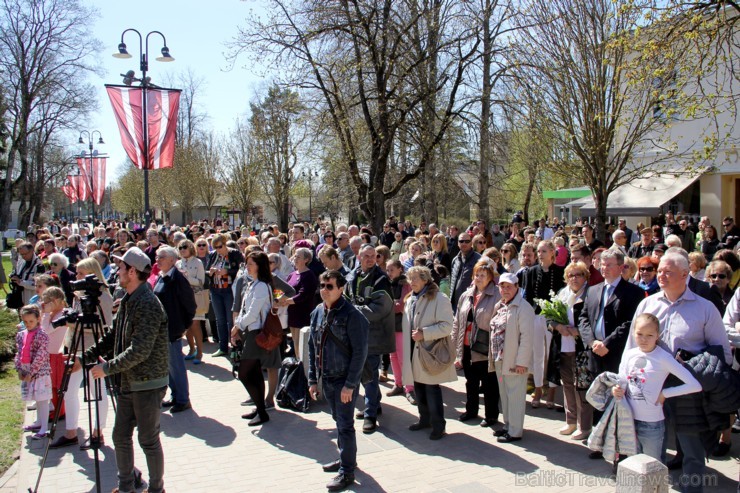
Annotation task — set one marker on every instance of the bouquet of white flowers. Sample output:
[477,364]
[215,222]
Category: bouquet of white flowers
[554,310]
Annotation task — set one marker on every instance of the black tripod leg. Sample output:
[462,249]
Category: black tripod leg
[63,387]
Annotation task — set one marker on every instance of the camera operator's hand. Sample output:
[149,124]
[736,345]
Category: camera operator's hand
[76,366]
[97,371]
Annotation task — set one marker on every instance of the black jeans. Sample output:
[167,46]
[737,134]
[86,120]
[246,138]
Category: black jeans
[477,375]
[431,409]
[139,410]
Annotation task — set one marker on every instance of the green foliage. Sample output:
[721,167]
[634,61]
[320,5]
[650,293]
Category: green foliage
[8,323]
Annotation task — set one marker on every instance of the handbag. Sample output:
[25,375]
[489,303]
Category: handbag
[584,377]
[14,299]
[480,340]
[202,300]
[271,333]
[437,356]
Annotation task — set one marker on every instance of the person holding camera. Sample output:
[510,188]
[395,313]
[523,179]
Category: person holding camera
[29,265]
[85,267]
[337,348]
[136,353]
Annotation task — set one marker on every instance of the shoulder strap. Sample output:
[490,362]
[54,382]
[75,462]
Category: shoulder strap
[342,347]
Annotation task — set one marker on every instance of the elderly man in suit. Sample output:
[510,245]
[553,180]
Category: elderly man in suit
[605,321]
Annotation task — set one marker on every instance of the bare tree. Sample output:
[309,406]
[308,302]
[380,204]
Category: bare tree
[241,170]
[45,46]
[360,58]
[210,165]
[585,68]
[277,133]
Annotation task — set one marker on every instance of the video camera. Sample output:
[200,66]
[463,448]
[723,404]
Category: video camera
[89,301]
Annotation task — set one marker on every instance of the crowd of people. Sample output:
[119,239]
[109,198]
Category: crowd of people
[519,308]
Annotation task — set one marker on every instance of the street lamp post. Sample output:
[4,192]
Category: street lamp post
[145,83]
[310,175]
[90,139]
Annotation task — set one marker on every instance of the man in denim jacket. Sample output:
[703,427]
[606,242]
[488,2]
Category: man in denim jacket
[337,349]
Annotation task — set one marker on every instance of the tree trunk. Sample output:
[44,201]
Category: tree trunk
[600,199]
[485,119]
[527,201]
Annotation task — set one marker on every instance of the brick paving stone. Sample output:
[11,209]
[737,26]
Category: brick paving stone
[210,448]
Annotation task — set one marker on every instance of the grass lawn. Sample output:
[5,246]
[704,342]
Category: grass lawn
[11,416]
[11,406]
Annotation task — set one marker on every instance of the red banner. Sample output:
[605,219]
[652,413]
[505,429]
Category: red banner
[81,190]
[69,191]
[161,115]
[93,174]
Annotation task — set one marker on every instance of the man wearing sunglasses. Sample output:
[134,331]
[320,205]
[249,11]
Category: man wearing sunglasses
[732,232]
[462,268]
[337,348]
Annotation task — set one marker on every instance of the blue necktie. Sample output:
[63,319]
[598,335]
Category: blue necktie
[599,330]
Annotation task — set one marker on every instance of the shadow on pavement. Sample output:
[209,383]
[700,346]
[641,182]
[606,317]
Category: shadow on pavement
[210,371]
[212,432]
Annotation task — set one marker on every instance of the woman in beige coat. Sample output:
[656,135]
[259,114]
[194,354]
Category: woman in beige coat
[427,317]
[511,355]
[471,334]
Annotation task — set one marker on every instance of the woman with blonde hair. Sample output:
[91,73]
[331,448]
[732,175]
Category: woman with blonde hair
[193,270]
[440,254]
[697,265]
[72,398]
[565,348]
[427,316]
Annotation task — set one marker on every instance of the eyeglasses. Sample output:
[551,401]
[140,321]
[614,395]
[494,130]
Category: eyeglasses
[481,242]
[574,275]
[463,241]
[726,225]
[182,247]
[272,262]
[647,269]
[328,287]
[241,242]
[718,276]
[202,246]
[53,264]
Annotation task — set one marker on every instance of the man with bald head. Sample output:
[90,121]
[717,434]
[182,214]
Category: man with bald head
[688,324]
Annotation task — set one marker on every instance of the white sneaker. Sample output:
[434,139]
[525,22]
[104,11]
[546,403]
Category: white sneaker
[567,429]
[581,435]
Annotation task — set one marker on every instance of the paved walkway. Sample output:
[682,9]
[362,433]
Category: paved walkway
[211,449]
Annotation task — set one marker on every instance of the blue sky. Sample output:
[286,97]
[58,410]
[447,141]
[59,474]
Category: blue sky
[196,33]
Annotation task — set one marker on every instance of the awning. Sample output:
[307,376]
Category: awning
[644,196]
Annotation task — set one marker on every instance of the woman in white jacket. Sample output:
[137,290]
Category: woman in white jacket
[256,304]
[427,317]
[511,355]
[195,273]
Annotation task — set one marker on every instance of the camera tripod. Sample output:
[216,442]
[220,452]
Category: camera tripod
[90,321]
